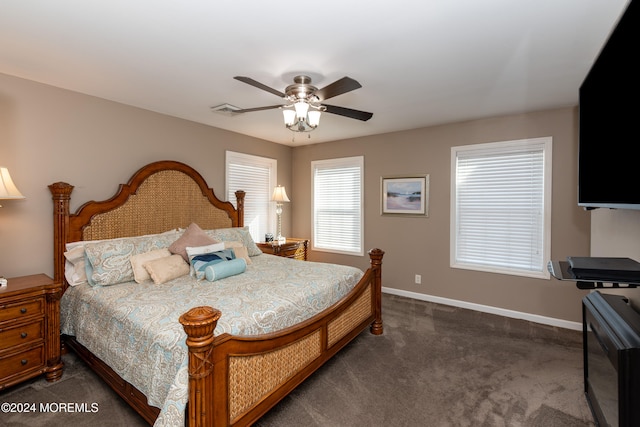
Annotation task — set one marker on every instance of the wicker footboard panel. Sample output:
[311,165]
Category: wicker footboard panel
[253,377]
[352,317]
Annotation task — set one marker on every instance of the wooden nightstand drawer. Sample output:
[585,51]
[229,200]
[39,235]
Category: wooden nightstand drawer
[293,251]
[21,334]
[22,363]
[30,329]
[20,309]
[291,248]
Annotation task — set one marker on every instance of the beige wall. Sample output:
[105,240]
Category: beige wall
[49,134]
[421,245]
[616,233]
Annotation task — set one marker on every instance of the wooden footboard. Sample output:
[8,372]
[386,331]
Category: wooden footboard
[236,380]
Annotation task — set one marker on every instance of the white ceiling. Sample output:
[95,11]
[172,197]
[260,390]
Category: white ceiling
[420,63]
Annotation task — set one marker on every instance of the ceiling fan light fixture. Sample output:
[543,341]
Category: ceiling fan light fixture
[303,110]
[302,118]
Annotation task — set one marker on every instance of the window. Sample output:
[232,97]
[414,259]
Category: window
[337,205]
[256,176]
[500,207]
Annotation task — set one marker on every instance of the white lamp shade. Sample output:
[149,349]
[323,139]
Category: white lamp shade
[289,117]
[301,109]
[8,189]
[279,195]
[314,118]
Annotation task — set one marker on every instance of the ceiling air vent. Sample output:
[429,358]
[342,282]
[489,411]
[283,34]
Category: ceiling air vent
[226,109]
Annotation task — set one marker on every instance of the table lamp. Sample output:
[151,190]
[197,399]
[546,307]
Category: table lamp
[279,196]
[8,189]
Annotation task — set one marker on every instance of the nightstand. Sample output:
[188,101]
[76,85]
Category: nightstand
[30,329]
[291,248]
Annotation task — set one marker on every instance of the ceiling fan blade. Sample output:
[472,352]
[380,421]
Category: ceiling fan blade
[250,110]
[348,112]
[250,81]
[344,85]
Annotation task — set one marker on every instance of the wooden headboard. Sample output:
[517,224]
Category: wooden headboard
[160,196]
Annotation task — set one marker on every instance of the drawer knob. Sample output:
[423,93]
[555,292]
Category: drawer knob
[23,310]
[24,362]
[23,335]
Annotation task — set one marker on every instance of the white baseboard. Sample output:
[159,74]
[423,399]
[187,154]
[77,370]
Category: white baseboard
[487,309]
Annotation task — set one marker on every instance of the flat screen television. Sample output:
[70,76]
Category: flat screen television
[609,121]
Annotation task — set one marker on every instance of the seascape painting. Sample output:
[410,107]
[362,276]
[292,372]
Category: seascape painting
[405,195]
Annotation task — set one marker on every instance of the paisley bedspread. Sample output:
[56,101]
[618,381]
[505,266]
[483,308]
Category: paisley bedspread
[134,327]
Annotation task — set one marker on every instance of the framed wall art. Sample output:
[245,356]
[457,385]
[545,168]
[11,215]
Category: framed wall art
[405,195]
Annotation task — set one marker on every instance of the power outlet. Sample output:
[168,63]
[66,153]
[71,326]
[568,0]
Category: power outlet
[418,279]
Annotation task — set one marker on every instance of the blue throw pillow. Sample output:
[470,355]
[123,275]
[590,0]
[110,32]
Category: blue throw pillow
[224,269]
[202,261]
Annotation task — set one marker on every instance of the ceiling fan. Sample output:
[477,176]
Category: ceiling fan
[304,102]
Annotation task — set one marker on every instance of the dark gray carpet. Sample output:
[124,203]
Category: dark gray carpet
[435,365]
[78,385]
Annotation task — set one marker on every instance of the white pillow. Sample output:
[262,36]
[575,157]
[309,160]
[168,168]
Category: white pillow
[199,250]
[75,262]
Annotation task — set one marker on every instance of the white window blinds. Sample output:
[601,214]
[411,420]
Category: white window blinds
[500,207]
[256,176]
[337,205]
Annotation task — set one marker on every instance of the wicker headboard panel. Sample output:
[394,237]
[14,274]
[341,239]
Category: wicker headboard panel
[163,201]
[158,197]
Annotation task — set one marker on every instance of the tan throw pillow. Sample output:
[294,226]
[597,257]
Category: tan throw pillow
[239,249]
[193,236]
[164,269]
[242,252]
[140,274]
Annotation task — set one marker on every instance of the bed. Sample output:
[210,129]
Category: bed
[231,375]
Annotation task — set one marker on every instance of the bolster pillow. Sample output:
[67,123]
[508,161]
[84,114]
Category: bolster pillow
[225,269]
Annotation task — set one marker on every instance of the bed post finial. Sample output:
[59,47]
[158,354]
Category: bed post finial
[199,324]
[375,255]
[61,194]
[240,208]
